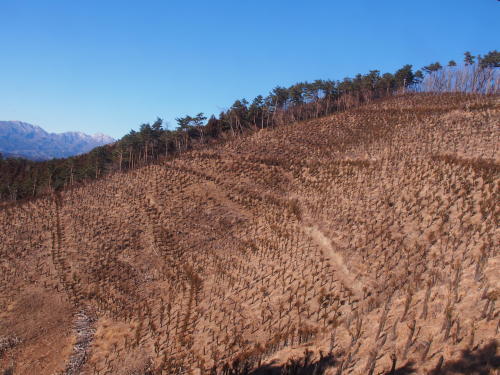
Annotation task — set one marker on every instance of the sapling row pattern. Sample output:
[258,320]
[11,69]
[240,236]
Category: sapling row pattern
[360,243]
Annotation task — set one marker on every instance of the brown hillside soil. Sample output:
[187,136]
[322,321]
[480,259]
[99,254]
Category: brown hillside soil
[370,236]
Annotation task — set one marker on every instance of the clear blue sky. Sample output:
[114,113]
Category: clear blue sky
[108,65]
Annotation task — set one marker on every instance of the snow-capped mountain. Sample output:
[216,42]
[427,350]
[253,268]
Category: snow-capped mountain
[20,139]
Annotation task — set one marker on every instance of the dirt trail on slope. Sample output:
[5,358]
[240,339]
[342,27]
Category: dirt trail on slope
[336,260]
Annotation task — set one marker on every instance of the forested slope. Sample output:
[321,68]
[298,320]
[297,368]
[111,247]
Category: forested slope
[22,179]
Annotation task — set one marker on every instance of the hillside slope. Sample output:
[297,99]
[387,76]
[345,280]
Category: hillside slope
[360,243]
[20,139]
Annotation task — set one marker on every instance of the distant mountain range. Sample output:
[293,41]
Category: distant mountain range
[20,139]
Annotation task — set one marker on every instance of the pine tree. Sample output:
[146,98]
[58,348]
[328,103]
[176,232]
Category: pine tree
[468,58]
[404,77]
[434,67]
[490,60]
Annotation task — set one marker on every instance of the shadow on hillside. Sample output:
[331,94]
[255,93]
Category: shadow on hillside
[407,369]
[297,367]
[478,362]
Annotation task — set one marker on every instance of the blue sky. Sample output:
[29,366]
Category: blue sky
[108,65]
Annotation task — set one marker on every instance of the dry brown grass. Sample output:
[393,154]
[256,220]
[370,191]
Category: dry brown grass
[370,235]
